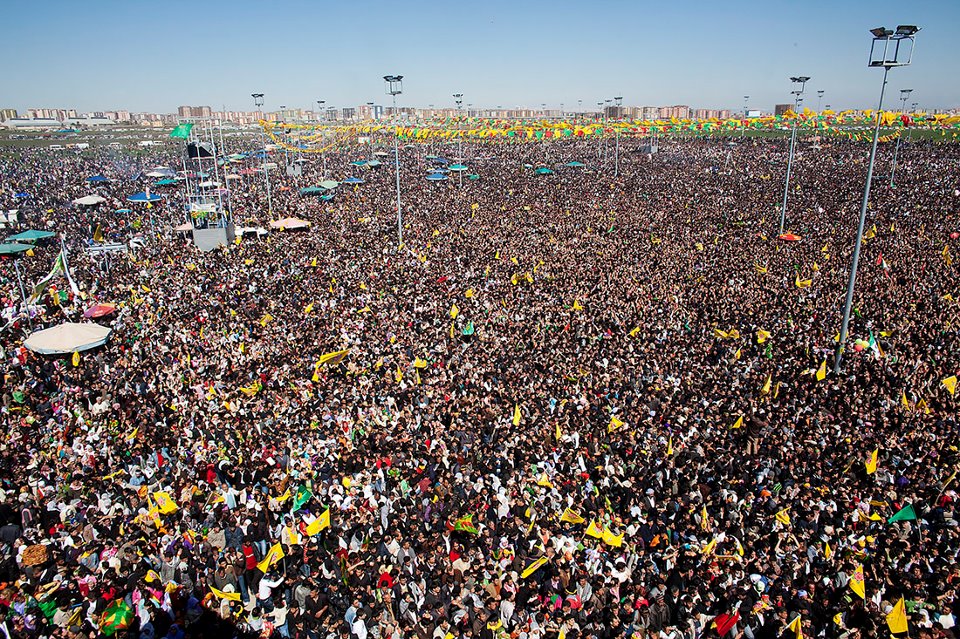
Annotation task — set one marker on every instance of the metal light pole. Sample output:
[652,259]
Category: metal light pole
[258,101]
[885,51]
[599,117]
[458,98]
[802,81]
[323,138]
[616,161]
[394,87]
[746,109]
[904,96]
[820,93]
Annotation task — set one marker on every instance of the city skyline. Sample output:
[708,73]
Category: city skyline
[503,54]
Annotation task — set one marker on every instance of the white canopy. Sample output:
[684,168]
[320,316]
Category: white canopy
[89,200]
[67,338]
[186,227]
[289,223]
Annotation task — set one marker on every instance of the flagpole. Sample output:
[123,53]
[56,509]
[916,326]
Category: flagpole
[23,294]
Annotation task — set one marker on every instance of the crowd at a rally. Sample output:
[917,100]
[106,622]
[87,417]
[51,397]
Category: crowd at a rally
[592,403]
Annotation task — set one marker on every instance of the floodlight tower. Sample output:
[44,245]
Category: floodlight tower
[802,81]
[393,85]
[616,161]
[889,49]
[258,102]
[904,96]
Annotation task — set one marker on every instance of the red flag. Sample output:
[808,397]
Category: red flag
[725,622]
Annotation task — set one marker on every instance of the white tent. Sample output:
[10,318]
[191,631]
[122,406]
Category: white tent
[67,338]
[289,223]
[89,200]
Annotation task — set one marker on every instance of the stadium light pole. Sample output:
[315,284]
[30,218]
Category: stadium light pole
[889,49]
[394,87]
[458,98]
[258,102]
[820,93]
[323,141]
[904,96]
[616,160]
[802,81]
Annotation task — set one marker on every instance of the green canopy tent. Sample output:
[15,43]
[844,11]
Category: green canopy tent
[575,164]
[329,184]
[12,248]
[30,236]
[543,171]
[312,190]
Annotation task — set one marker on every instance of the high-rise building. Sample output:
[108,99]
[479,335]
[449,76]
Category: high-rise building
[7,114]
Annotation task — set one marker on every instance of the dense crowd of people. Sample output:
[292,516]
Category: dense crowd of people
[595,403]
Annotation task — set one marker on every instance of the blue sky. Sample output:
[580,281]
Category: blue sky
[154,56]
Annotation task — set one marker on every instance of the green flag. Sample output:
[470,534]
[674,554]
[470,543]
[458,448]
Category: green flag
[907,513]
[182,130]
[117,616]
[303,496]
[465,524]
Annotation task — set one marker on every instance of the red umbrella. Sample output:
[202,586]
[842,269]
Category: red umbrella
[790,237]
[99,310]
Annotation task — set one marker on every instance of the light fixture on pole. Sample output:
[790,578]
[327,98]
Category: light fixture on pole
[393,85]
[458,98]
[258,102]
[616,161]
[820,93]
[802,81]
[889,49]
[323,140]
[904,96]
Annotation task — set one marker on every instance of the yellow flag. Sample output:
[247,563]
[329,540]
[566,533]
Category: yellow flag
[802,283]
[398,375]
[532,568]
[151,576]
[308,309]
[766,385]
[796,627]
[761,270]
[577,306]
[897,618]
[229,596]
[856,582]
[544,481]
[516,414]
[704,519]
[710,547]
[98,234]
[320,523]
[132,434]
[558,433]
[737,424]
[594,530]
[614,424]
[284,497]
[635,332]
[871,462]
[827,551]
[469,294]
[822,371]
[165,503]
[267,317]
[762,336]
[950,384]
[76,358]
[571,516]
[454,311]
[737,354]
[274,555]
[903,400]
[612,540]
[783,517]
[922,407]
[670,446]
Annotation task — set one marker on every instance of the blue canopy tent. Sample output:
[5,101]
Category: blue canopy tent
[358,163]
[165,182]
[574,164]
[97,178]
[144,198]
[14,248]
[353,180]
[327,197]
[473,176]
[457,167]
[543,171]
[123,211]
[437,177]
[440,160]
[21,195]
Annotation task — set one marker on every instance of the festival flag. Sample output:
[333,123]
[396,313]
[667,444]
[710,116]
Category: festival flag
[761,270]
[765,390]
[182,130]
[274,555]
[229,596]
[454,311]
[802,283]
[950,384]
[737,424]
[465,524]
[704,518]
[308,309]
[871,462]
[75,360]
[558,433]
[634,331]
[897,618]
[544,481]
[165,503]
[98,234]
[532,568]
[610,539]
[320,523]
[333,358]
[827,551]
[577,306]
[571,517]
[398,375]
[117,616]
[856,582]
[614,424]
[795,627]
[151,576]
[921,407]
[783,517]
[822,371]
[594,530]
[252,389]
[284,497]
[762,336]
[516,414]
[670,446]
[303,496]
[907,513]
[903,400]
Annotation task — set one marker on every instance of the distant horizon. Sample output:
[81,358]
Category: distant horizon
[505,54]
